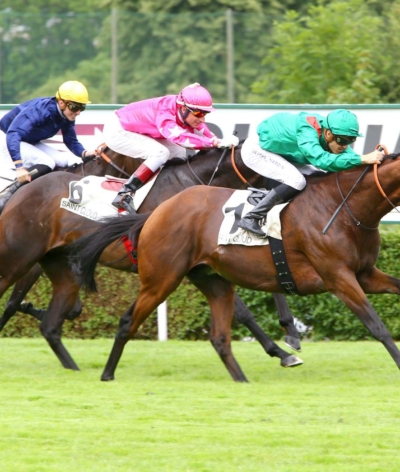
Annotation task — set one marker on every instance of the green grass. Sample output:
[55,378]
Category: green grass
[173,407]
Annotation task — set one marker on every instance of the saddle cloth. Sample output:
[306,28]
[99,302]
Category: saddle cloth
[91,197]
[233,210]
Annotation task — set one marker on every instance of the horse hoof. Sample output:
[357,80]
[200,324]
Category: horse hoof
[293,343]
[106,378]
[291,361]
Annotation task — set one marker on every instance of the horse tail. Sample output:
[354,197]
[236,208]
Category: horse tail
[85,252]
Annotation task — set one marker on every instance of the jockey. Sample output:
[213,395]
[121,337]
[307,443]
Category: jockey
[290,146]
[158,129]
[23,129]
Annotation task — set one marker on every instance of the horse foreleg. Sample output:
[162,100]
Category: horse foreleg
[244,315]
[21,288]
[292,338]
[349,291]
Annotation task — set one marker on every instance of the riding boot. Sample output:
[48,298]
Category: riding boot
[9,192]
[252,220]
[124,198]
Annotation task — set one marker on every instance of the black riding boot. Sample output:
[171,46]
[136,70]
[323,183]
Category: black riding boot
[9,191]
[124,198]
[252,220]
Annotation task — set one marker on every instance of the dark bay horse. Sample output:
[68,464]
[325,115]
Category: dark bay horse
[106,162]
[35,229]
[341,261]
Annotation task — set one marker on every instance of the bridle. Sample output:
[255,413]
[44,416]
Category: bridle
[344,199]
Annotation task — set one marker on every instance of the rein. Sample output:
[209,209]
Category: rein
[236,169]
[344,199]
[100,151]
[217,166]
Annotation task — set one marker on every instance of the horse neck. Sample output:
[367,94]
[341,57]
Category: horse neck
[225,176]
[366,202]
[100,167]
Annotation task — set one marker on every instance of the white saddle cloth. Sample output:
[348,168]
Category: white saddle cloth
[234,209]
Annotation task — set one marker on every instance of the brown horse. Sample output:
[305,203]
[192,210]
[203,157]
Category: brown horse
[340,260]
[106,162]
[35,229]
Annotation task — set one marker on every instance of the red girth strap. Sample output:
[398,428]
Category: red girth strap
[130,249]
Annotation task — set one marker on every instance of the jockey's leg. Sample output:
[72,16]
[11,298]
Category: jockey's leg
[275,167]
[124,198]
[9,191]
[154,152]
[252,220]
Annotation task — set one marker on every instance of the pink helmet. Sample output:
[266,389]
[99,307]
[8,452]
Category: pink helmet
[195,96]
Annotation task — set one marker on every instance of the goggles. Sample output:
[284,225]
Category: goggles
[197,113]
[345,140]
[73,106]
[342,140]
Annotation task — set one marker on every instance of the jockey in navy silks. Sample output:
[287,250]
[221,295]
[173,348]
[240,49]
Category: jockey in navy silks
[23,129]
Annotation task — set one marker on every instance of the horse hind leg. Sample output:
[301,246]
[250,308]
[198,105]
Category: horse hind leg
[292,337]
[63,300]
[244,316]
[121,338]
[150,296]
[15,302]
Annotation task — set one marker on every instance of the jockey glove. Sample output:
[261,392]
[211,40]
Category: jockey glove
[228,142]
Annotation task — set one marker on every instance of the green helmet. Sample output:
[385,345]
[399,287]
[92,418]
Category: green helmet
[342,122]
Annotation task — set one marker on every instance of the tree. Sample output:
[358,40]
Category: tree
[333,54]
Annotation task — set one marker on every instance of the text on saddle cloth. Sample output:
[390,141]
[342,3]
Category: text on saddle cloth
[236,207]
[91,197]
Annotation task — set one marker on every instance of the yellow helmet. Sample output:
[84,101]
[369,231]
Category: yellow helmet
[74,91]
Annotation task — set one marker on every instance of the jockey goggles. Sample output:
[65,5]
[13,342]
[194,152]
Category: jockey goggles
[73,106]
[197,113]
[344,140]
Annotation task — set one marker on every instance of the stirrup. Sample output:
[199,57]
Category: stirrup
[252,226]
[124,202]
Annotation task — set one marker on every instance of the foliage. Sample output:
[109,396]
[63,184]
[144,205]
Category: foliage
[328,52]
[189,314]
[162,46]
[339,52]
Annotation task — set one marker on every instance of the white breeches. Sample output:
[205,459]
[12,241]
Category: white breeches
[156,152]
[275,167]
[32,154]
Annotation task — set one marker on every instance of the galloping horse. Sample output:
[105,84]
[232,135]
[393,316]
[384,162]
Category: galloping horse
[38,229]
[339,259]
[105,162]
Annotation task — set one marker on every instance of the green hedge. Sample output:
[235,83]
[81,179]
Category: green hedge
[188,312]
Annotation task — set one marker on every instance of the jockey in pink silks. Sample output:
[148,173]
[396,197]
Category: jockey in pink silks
[159,129]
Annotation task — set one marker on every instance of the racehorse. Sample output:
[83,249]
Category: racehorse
[105,162]
[49,228]
[338,257]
